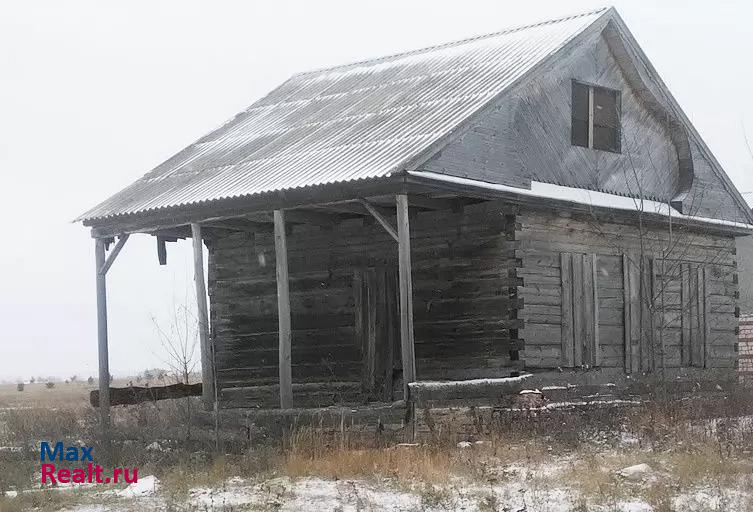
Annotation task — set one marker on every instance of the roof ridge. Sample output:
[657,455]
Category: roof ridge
[459,42]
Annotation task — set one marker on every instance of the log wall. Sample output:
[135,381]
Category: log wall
[592,300]
[343,306]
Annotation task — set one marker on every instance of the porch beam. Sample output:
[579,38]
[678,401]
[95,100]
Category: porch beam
[431,203]
[283,310]
[356,208]
[114,254]
[207,357]
[406,295]
[242,225]
[104,362]
[321,219]
[381,219]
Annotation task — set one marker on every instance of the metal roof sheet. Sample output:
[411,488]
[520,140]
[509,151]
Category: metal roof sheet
[362,120]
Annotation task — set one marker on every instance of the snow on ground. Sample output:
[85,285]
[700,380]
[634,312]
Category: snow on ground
[518,494]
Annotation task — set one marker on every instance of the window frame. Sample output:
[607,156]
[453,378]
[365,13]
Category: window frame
[591,88]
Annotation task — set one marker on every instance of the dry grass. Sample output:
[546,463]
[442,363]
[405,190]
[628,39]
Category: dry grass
[73,395]
[687,454]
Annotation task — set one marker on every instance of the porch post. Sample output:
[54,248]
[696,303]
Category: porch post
[207,358]
[104,364]
[283,311]
[406,294]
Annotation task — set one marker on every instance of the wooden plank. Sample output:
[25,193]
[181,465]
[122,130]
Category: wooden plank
[360,313]
[588,310]
[316,218]
[590,116]
[369,355]
[207,357]
[113,254]
[391,292]
[685,319]
[432,203]
[578,310]
[627,313]
[566,276]
[707,320]
[657,294]
[647,334]
[703,324]
[102,349]
[283,311]
[635,312]
[161,250]
[406,294]
[695,356]
[136,394]
[380,218]
[595,301]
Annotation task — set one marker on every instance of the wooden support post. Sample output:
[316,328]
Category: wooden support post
[406,295]
[207,357]
[104,362]
[283,311]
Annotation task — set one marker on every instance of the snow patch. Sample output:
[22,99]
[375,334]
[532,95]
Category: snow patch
[146,486]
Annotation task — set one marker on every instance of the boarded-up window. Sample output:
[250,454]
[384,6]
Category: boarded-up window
[595,117]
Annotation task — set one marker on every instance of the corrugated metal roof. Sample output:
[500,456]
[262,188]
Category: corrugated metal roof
[362,120]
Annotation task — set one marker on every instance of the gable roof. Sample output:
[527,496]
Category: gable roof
[346,123]
[376,118]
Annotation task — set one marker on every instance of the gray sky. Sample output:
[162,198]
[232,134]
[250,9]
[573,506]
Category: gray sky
[93,94]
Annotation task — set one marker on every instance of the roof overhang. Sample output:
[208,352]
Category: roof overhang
[602,205]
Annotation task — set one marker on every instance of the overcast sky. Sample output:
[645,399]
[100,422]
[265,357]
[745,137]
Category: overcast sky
[94,94]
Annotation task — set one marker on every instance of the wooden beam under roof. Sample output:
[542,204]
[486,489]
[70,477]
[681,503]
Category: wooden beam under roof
[432,203]
[240,224]
[207,355]
[355,207]
[315,218]
[283,311]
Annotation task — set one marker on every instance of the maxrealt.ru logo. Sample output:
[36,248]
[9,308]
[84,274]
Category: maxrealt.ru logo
[91,473]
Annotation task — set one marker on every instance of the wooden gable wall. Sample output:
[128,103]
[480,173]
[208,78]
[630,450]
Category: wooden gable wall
[526,137]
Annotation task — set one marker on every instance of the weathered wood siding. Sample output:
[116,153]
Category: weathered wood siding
[464,294]
[527,136]
[679,310]
[709,196]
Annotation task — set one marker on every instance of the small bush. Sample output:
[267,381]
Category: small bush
[49,385]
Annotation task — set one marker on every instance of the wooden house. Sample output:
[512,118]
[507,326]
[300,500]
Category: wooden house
[526,201]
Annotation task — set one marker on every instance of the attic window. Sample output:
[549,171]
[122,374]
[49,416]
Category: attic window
[595,117]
